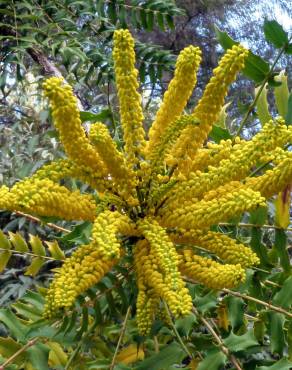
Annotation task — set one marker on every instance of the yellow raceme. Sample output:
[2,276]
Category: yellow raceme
[82,270]
[227,249]
[155,200]
[67,121]
[208,109]
[130,100]
[176,96]
[46,198]
[210,273]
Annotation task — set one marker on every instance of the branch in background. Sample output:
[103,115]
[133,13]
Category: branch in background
[224,349]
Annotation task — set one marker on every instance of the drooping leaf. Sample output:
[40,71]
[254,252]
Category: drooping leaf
[262,105]
[288,117]
[282,208]
[130,354]
[275,33]
[281,93]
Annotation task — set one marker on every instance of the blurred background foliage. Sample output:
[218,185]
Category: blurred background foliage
[73,39]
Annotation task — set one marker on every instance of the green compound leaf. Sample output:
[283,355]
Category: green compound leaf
[16,328]
[255,67]
[172,353]
[235,307]
[94,117]
[281,247]
[276,327]
[38,356]
[288,49]
[283,364]
[275,33]
[283,297]
[218,133]
[236,343]
[214,360]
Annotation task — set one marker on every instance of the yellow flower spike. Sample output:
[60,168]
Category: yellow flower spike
[203,214]
[210,156]
[7,200]
[129,98]
[149,275]
[105,228]
[208,109]
[229,250]
[210,273]
[177,94]
[67,121]
[123,176]
[46,198]
[79,272]
[65,168]
[146,308]
[243,156]
[170,135]
[275,180]
[161,247]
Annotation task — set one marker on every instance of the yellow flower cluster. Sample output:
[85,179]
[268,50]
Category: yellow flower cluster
[147,307]
[67,121]
[152,279]
[208,109]
[106,225]
[130,100]
[210,273]
[82,270]
[176,96]
[205,213]
[44,197]
[160,195]
[64,168]
[227,249]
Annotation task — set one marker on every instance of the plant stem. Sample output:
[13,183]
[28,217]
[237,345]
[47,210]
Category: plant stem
[120,338]
[36,219]
[224,349]
[252,105]
[17,353]
[29,254]
[248,298]
[263,303]
[176,332]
